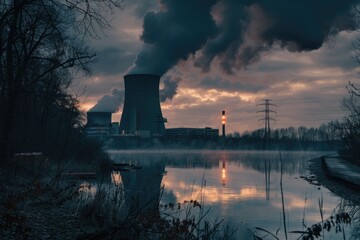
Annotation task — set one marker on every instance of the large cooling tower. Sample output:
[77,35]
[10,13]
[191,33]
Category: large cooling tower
[141,111]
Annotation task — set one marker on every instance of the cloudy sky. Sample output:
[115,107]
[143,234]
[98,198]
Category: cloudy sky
[229,55]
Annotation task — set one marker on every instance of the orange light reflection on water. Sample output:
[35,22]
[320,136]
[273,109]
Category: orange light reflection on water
[211,194]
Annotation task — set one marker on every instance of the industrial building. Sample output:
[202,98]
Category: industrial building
[98,124]
[141,111]
[196,133]
[141,116]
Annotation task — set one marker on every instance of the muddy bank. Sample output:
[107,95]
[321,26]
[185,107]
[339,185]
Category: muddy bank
[338,188]
[32,212]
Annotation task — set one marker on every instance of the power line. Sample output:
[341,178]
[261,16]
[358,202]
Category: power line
[267,111]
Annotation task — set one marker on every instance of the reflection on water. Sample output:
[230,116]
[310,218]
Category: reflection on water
[142,186]
[240,186]
[267,171]
[223,173]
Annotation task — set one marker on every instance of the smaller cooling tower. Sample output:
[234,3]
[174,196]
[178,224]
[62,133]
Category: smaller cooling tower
[98,119]
[141,111]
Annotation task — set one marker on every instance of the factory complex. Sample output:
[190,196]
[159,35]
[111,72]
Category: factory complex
[141,116]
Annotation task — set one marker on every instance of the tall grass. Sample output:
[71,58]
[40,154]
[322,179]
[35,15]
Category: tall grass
[282,196]
[336,221]
[107,211]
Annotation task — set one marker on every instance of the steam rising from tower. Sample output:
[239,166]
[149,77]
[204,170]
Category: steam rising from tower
[141,111]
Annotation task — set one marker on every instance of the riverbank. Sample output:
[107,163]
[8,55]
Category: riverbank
[40,213]
[36,211]
[338,188]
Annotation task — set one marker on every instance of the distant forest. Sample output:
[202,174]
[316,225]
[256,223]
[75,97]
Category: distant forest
[326,137]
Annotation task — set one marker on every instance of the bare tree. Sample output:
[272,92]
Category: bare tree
[350,127]
[41,43]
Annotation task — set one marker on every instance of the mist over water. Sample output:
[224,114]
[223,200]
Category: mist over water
[240,186]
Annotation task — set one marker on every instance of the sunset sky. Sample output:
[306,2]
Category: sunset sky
[229,55]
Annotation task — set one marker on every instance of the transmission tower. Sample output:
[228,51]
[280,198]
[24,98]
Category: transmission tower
[267,111]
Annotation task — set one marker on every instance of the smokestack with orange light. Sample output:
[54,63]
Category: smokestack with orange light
[223,122]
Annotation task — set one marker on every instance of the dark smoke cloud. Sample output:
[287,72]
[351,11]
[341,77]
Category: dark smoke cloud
[110,103]
[225,45]
[242,31]
[307,24]
[292,24]
[170,88]
[180,29]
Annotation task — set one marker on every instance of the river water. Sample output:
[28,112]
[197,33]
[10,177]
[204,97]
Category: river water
[242,187]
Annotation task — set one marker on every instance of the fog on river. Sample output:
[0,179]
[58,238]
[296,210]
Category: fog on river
[243,187]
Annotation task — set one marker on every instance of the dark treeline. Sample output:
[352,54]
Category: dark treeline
[325,137]
[326,132]
[349,128]
[42,48]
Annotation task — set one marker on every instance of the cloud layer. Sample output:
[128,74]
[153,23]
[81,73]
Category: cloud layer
[297,53]
[235,32]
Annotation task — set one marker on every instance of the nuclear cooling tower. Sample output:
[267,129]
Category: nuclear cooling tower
[141,111]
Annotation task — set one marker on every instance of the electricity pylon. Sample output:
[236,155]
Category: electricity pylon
[267,104]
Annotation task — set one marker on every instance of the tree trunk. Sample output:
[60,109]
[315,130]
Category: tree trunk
[12,82]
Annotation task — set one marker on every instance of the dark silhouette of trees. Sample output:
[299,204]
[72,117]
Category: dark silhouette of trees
[42,46]
[349,129]
[324,137]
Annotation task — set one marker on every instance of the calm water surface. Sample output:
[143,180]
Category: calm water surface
[241,186]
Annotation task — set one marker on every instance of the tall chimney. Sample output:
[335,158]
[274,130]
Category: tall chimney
[141,111]
[223,122]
